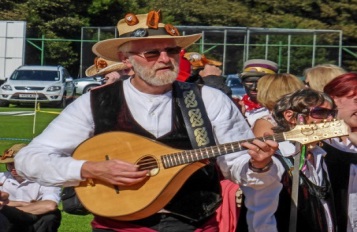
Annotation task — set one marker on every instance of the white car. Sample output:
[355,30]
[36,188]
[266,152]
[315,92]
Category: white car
[28,84]
[85,84]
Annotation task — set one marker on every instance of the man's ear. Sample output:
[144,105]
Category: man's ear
[289,116]
[124,58]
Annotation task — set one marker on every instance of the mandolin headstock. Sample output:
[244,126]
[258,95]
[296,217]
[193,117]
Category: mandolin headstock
[309,133]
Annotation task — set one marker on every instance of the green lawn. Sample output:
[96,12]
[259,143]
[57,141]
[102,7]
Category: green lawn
[21,129]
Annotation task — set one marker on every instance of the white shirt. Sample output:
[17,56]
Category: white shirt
[47,159]
[27,191]
[254,115]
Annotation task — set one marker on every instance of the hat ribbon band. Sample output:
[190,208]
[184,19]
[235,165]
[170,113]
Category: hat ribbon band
[259,69]
[145,32]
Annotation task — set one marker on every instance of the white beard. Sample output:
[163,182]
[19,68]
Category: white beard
[151,77]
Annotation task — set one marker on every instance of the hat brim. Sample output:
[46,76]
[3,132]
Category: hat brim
[214,62]
[92,71]
[108,49]
[252,74]
[7,160]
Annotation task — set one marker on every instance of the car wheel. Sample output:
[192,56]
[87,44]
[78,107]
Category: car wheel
[4,103]
[88,88]
[63,103]
[70,100]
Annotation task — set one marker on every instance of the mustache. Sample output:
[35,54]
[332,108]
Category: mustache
[167,66]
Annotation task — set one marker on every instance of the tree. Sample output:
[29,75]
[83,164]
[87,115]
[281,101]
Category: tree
[63,19]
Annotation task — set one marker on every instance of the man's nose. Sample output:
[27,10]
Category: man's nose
[164,57]
[254,86]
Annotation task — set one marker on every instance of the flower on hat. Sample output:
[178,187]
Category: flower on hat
[141,27]
[198,60]
[9,154]
[102,66]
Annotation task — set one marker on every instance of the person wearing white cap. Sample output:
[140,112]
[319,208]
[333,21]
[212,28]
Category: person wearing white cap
[253,70]
[153,105]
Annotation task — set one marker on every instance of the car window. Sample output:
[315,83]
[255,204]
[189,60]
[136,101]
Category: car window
[65,74]
[35,75]
[234,82]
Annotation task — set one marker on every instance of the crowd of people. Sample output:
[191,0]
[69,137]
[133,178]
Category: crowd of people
[158,91]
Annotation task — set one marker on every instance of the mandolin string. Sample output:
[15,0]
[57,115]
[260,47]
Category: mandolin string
[179,158]
[189,156]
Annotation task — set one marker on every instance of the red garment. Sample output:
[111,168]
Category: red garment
[228,212]
[184,68]
[249,105]
[118,226]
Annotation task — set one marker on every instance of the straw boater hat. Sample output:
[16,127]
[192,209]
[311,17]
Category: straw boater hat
[102,66]
[259,68]
[198,60]
[9,154]
[141,27]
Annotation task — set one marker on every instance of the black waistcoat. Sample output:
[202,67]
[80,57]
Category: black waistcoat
[338,164]
[200,196]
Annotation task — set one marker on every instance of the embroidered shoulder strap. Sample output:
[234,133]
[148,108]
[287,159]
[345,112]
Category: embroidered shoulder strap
[197,123]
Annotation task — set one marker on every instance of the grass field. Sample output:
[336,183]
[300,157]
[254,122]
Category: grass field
[21,129]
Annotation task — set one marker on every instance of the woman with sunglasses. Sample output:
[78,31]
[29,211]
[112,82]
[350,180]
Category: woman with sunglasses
[341,158]
[315,208]
[315,204]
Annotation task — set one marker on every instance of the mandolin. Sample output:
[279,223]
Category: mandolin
[169,168]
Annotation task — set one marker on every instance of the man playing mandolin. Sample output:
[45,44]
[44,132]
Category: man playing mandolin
[153,105]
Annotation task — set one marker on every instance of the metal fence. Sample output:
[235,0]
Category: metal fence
[293,49]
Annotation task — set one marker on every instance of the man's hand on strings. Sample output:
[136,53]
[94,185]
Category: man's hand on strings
[116,172]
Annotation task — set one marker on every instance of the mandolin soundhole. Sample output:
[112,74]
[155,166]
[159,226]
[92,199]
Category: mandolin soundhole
[149,163]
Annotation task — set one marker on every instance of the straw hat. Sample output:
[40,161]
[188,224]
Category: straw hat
[198,60]
[102,66]
[258,68]
[141,27]
[9,154]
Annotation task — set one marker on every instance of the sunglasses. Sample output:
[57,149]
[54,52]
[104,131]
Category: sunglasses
[252,85]
[322,113]
[156,53]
